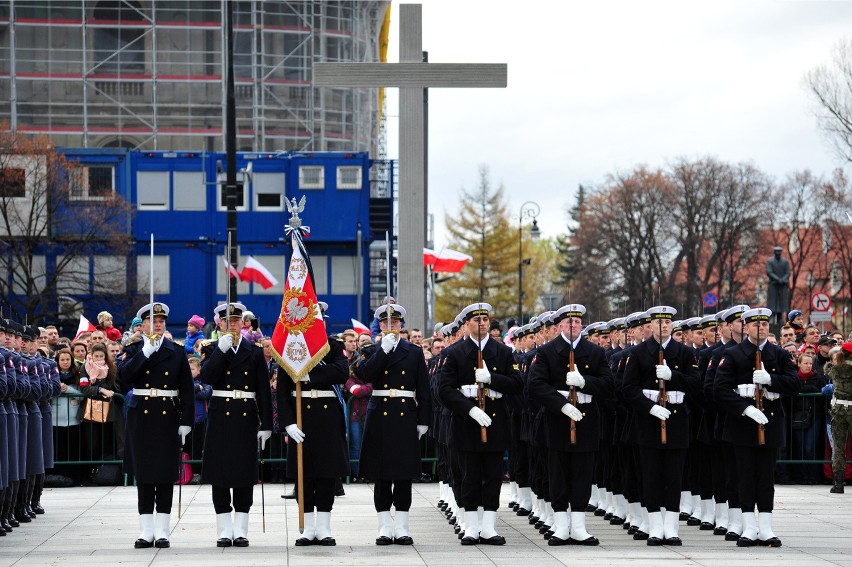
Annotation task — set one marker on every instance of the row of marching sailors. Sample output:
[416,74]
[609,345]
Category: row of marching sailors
[610,429]
[27,384]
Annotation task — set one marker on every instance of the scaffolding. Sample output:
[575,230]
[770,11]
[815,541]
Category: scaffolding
[149,75]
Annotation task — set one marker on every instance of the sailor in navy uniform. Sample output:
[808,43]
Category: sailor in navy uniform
[737,381]
[482,463]
[661,463]
[239,418]
[159,417]
[570,466]
[397,416]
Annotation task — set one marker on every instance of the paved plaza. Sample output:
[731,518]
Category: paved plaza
[97,526]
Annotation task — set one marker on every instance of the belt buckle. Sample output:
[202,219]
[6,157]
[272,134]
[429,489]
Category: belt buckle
[153,392]
[237,394]
[392,392]
[314,393]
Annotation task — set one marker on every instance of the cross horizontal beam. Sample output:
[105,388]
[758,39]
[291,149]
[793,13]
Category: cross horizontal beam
[417,75]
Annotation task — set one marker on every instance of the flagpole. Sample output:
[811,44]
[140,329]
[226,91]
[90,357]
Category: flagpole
[300,473]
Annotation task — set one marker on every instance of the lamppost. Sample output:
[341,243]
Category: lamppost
[529,210]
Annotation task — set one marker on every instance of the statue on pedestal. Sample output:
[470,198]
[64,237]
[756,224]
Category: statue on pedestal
[778,271]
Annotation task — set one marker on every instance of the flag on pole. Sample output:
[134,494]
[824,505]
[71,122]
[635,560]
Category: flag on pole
[299,341]
[360,327]
[85,326]
[445,261]
[256,272]
[230,269]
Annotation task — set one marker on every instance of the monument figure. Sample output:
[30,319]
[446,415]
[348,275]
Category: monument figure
[778,271]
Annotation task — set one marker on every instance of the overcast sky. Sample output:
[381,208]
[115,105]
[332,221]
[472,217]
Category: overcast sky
[599,87]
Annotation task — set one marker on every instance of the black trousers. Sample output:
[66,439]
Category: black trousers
[147,495]
[614,482]
[519,468]
[732,485]
[603,464]
[756,470]
[662,475]
[396,493]
[243,498]
[318,493]
[571,476]
[482,476]
[630,479]
[717,463]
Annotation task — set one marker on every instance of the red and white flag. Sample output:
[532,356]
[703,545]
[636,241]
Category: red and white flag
[85,326]
[360,327]
[299,341]
[230,269]
[445,261]
[256,272]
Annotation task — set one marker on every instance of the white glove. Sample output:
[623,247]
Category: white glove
[576,379]
[660,412]
[226,342]
[482,375]
[572,412]
[421,430]
[388,342]
[263,437]
[761,376]
[756,414]
[295,433]
[147,348]
[664,372]
[183,431]
[479,416]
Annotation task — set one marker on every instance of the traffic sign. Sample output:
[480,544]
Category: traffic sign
[710,299]
[820,301]
[820,316]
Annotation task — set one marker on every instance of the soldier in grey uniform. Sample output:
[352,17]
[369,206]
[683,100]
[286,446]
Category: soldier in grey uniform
[159,417]
[239,418]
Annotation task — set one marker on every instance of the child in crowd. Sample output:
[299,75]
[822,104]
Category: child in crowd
[193,332]
[105,325]
[203,392]
[250,331]
[134,333]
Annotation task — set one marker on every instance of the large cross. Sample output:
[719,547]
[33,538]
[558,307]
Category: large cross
[411,75]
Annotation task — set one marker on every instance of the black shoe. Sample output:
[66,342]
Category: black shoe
[732,536]
[626,526]
[460,533]
[241,542]
[452,520]
[226,542]
[607,516]
[14,522]
[457,529]
[683,516]
[493,540]
[836,489]
[512,504]
[544,528]
[467,540]
[557,541]
[654,541]
[516,507]
[600,512]
[22,517]
[38,509]
[339,492]
[746,542]
[6,525]
[533,520]
[591,507]
[404,540]
[327,542]
[29,512]
[384,540]
[632,530]
[538,524]
[771,542]
[143,544]
[720,530]
[548,534]
[442,505]
[616,521]
[673,541]
[591,540]
[522,512]
[707,526]
[693,521]
[640,535]
[303,541]
[162,543]
[289,495]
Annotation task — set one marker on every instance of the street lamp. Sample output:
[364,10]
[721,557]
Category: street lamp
[529,210]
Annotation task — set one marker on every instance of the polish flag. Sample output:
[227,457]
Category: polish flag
[256,272]
[445,261]
[85,326]
[230,269]
[360,327]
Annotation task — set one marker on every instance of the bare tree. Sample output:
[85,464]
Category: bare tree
[830,86]
[52,226]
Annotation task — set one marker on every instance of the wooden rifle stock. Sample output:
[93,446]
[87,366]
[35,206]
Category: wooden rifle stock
[573,398]
[758,400]
[480,397]
[662,398]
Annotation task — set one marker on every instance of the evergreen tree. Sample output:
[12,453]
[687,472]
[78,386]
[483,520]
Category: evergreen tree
[566,268]
[484,231]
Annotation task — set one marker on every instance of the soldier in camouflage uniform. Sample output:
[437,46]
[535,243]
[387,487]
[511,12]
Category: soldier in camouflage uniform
[840,372]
